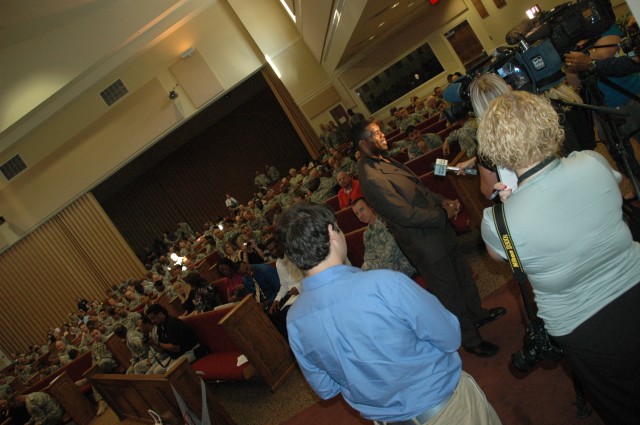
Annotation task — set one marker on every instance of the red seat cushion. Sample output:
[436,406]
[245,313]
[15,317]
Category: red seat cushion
[221,366]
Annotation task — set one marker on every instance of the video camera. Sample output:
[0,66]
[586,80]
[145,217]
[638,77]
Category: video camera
[533,62]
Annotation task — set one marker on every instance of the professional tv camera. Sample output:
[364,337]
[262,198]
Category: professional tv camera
[533,62]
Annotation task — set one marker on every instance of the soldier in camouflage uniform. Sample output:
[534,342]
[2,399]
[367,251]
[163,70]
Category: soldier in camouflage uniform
[43,409]
[272,172]
[261,180]
[127,318]
[466,136]
[100,354]
[380,248]
[404,119]
[137,344]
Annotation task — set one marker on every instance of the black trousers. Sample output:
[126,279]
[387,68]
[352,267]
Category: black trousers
[450,279]
[604,354]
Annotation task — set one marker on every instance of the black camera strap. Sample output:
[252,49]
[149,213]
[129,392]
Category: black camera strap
[512,257]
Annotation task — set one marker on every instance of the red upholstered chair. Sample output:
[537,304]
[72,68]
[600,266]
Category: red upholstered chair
[221,362]
[355,246]
[347,220]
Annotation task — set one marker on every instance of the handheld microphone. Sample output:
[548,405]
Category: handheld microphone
[441,167]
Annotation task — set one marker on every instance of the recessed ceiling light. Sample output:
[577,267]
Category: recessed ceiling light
[372,37]
[381,24]
[395,5]
[410,4]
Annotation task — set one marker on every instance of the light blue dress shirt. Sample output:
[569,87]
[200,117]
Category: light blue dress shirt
[378,338]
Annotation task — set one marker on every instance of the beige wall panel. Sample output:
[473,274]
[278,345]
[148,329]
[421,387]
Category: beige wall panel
[127,129]
[399,45]
[320,102]
[196,78]
[301,74]
[269,25]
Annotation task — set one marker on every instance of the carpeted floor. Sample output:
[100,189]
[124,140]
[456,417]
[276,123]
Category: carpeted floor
[542,397]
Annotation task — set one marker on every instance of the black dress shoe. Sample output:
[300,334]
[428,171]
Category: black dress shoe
[484,349]
[494,314]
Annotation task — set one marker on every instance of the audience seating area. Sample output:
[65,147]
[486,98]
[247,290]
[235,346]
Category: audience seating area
[221,364]
[131,396]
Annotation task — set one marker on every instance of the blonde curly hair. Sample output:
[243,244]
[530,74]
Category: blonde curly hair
[518,130]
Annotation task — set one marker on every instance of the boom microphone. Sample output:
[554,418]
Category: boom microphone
[520,30]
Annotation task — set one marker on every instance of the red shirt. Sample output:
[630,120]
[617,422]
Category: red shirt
[345,199]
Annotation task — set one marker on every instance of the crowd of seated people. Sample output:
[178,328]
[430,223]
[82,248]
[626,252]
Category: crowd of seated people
[242,239]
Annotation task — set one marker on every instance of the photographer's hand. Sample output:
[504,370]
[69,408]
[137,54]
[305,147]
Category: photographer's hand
[576,61]
[502,191]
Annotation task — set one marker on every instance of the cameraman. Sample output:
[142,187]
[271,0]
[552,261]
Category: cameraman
[574,245]
[610,67]
[612,98]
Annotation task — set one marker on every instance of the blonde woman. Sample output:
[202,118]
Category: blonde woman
[566,223]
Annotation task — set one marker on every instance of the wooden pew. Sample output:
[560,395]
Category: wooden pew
[428,122]
[347,220]
[468,188]
[131,396]
[424,163]
[445,132]
[355,246]
[77,407]
[334,203]
[442,185]
[435,127]
[250,328]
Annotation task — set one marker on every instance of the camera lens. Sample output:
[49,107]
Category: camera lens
[524,360]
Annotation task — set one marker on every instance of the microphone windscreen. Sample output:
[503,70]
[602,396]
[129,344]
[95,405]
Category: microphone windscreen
[522,28]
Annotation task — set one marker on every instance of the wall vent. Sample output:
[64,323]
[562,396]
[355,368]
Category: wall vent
[114,92]
[13,167]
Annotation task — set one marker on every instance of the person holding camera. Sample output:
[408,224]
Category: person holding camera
[566,224]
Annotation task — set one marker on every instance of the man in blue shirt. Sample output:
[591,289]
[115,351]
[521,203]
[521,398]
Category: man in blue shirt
[387,345]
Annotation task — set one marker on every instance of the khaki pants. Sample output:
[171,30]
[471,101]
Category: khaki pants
[468,406]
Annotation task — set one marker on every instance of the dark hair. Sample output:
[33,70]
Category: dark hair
[157,308]
[227,262]
[302,232]
[120,331]
[73,353]
[359,131]
[409,129]
[145,319]
[195,279]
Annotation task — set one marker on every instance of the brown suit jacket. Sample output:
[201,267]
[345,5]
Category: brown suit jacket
[413,213]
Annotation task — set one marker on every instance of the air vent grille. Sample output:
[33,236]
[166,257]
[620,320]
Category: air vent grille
[114,92]
[13,167]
